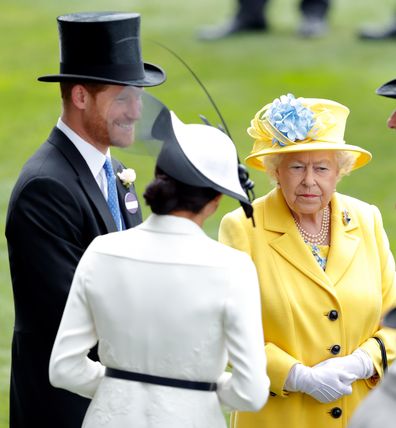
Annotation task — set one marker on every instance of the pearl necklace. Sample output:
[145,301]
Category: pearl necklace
[318,238]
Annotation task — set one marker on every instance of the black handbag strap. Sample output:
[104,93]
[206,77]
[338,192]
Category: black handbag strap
[383,353]
[159,380]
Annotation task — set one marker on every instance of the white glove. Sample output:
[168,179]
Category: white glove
[325,384]
[358,364]
[224,380]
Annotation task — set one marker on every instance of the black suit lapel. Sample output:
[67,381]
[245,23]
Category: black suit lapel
[130,219]
[87,180]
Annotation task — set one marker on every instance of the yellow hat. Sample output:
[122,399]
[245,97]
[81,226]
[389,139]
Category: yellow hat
[290,125]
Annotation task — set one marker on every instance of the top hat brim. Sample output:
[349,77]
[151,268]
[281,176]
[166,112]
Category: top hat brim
[388,89]
[153,76]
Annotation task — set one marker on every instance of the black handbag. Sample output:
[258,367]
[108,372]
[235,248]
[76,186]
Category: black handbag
[383,353]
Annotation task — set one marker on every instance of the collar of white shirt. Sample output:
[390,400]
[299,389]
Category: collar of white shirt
[92,156]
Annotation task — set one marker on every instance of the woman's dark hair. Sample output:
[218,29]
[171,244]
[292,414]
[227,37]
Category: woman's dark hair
[165,194]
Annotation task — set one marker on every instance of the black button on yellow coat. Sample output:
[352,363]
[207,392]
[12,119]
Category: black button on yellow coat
[332,315]
[335,349]
[336,412]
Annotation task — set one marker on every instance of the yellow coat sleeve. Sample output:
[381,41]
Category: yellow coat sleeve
[387,335]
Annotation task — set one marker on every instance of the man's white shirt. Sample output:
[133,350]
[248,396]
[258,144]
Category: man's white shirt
[92,156]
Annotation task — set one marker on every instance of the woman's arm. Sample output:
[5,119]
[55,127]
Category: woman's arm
[70,368]
[248,387]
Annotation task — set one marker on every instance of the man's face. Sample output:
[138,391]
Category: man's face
[110,116]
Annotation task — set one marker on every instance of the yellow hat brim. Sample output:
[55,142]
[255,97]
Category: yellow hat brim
[363,157]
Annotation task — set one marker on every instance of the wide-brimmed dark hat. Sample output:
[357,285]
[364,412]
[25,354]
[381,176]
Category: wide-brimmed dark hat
[103,47]
[198,155]
[388,89]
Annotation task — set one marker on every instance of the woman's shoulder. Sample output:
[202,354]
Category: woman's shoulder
[355,203]
[239,214]
[357,208]
[223,253]
[233,259]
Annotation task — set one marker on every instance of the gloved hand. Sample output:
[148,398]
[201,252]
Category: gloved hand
[359,364]
[325,384]
[224,379]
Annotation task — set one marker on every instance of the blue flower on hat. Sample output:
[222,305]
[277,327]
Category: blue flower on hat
[291,118]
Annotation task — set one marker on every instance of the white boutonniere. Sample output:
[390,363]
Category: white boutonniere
[127,176]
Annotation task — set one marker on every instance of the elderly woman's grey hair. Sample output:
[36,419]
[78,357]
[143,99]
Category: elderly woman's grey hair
[345,162]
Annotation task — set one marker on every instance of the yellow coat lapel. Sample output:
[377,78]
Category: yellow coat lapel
[344,244]
[289,244]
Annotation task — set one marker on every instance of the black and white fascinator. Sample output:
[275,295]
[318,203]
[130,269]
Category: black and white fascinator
[196,154]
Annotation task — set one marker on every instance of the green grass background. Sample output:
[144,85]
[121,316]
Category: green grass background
[242,74]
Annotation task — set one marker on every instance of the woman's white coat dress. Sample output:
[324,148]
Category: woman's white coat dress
[162,299]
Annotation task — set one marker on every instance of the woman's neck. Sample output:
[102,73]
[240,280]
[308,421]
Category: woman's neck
[312,221]
[314,228]
[205,212]
[195,217]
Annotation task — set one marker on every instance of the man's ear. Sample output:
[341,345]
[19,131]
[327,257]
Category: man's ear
[79,96]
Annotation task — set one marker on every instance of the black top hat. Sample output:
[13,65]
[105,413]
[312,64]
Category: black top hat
[103,47]
[388,89]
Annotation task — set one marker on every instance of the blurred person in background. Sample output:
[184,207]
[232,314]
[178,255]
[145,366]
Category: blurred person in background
[168,306]
[384,32]
[68,193]
[379,408]
[251,16]
[325,268]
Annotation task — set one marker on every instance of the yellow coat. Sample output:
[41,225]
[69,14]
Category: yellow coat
[297,297]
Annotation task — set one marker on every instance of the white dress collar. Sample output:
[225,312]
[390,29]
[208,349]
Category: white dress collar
[171,224]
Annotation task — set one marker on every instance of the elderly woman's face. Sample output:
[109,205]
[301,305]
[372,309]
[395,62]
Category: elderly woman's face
[308,180]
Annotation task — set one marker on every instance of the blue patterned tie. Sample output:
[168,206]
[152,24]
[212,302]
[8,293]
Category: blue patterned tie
[112,198]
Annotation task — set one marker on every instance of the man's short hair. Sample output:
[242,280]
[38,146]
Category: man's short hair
[92,88]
